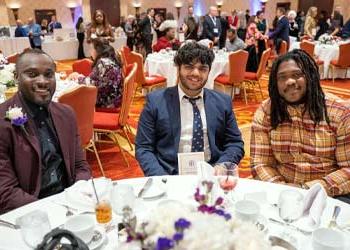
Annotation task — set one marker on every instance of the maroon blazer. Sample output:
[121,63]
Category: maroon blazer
[20,154]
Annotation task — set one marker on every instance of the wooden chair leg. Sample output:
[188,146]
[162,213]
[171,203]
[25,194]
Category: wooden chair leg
[245,93]
[332,73]
[92,143]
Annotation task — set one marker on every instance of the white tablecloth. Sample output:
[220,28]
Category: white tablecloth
[326,53]
[163,64]
[63,50]
[178,188]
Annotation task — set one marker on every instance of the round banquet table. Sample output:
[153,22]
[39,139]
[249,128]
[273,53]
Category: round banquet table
[162,63]
[179,188]
[326,53]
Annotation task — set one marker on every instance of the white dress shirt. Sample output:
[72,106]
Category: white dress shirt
[186,113]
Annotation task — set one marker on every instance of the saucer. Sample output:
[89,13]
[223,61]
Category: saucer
[93,245]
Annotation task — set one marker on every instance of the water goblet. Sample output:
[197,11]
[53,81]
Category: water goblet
[227,177]
[122,196]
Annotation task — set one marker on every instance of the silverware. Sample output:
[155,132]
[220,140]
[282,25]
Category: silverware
[333,222]
[291,226]
[164,180]
[96,237]
[9,224]
[277,241]
[145,187]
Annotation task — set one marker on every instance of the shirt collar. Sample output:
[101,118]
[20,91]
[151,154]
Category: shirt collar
[34,109]
[182,94]
[280,17]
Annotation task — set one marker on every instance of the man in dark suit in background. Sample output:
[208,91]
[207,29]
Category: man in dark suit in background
[281,32]
[212,26]
[40,152]
[145,26]
[187,118]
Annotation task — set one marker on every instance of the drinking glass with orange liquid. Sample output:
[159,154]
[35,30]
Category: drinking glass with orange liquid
[227,177]
[103,211]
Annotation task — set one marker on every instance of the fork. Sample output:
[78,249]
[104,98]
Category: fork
[333,222]
[9,224]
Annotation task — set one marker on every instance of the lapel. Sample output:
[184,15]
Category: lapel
[60,123]
[210,113]
[173,106]
[31,137]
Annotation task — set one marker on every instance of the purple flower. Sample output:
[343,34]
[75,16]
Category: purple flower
[219,201]
[178,236]
[129,238]
[164,243]
[20,121]
[220,212]
[227,216]
[181,224]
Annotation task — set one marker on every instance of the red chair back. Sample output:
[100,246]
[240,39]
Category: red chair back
[308,47]
[138,59]
[83,67]
[263,62]
[305,38]
[344,55]
[83,101]
[12,58]
[283,48]
[125,51]
[128,94]
[238,62]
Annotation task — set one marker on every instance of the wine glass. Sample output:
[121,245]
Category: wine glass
[227,176]
[290,204]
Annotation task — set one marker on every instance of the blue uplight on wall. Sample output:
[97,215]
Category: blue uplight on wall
[255,5]
[199,7]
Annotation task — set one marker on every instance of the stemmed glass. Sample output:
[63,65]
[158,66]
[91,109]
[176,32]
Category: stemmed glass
[290,204]
[227,176]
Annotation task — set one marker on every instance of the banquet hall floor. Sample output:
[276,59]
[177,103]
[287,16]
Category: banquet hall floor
[114,166]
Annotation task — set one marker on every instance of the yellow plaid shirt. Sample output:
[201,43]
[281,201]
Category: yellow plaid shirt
[298,152]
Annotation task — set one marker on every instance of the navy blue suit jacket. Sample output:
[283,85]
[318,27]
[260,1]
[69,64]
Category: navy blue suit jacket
[159,129]
[281,31]
[208,28]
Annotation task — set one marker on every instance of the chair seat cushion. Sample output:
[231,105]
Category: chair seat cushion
[108,110]
[319,62]
[108,121]
[250,76]
[335,62]
[223,79]
[154,79]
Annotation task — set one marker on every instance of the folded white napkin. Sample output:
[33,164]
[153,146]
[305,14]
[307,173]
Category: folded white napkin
[82,196]
[314,204]
[205,171]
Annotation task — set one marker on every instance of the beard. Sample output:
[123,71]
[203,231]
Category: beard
[186,85]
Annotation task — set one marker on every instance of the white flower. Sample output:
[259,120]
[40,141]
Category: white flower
[93,36]
[14,113]
[6,76]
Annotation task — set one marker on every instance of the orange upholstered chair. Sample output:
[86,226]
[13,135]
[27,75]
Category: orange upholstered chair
[283,50]
[237,61]
[83,99]
[113,124]
[150,83]
[305,38]
[12,58]
[309,48]
[254,78]
[343,61]
[83,67]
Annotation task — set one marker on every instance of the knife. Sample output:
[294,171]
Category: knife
[291,226]
[9,224]
[145,187]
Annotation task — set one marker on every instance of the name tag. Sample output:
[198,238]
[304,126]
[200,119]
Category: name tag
[216,30]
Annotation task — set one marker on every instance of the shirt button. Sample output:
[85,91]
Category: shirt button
[42,123]
[48,140]
[41,108]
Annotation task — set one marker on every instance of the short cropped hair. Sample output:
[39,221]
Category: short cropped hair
[193,52]
[31,52]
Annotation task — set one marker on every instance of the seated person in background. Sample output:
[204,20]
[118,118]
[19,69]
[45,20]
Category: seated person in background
[54,24]
[20,31]
[345,32]
[168,40]
[187,118]
[233,42]
[106,75]
[40,152]
[299,137]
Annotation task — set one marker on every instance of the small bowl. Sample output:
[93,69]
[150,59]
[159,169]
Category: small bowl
[247,210]
[328,239]
[82,226]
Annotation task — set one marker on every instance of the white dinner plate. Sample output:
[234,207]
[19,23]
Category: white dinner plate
[156,191]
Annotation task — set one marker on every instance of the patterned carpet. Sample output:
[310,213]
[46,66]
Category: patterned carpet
[114,166]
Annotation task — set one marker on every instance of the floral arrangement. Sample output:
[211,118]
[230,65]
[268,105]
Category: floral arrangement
[7,76]
[327,39]
[16,117]
[208,226]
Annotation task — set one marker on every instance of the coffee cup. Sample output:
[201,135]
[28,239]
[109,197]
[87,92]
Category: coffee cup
[247,210]
[328,239]
[82,226]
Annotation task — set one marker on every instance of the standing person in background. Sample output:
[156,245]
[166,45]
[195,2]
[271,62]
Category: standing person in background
[130,31]
[191,23]
[262,26]
[34,33]
[253,35]
[310,22]
[158,20]
[242,25]
[20,31]
[54,24]
[293,25]
[224,27]
[44,27]
[212,26]
[200,28]
[281,32]
[300,19]
[247,15]
[146,30]
[322,24]
[341,18]
[80,28]
[100,28]
[233,20]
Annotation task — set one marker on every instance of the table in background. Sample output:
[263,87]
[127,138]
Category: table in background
[163,64]
[326,53]
[179,188]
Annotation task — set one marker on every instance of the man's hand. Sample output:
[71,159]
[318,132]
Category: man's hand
[216,40]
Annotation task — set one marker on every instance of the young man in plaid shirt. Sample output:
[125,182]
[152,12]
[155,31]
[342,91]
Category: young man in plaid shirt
[299,137]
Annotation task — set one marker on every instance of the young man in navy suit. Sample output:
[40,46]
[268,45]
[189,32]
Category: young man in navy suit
[187,118]
[281,32]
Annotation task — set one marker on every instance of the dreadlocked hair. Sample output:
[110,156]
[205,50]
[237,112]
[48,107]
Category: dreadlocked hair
[315,103]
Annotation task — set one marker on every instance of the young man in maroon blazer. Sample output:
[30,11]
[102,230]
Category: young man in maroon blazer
[40,152]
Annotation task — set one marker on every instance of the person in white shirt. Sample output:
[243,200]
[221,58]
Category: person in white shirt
[233,42]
